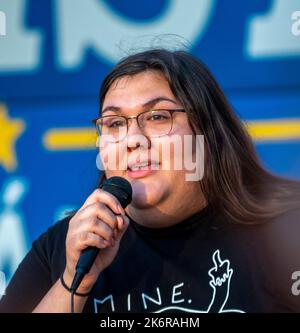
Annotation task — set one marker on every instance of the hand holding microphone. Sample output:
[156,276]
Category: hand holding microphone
[98,225]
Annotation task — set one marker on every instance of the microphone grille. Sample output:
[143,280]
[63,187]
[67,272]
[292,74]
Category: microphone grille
[120,188]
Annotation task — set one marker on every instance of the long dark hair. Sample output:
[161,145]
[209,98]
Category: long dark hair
[235,184]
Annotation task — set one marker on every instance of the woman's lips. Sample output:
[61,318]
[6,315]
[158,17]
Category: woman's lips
[142,172]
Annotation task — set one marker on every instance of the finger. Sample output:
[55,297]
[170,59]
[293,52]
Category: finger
[121,233]
[101,229]
[107,198]
[86,239]
[99,211]
[120,221]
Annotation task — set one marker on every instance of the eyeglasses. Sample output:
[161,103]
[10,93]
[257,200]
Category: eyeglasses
[153,123]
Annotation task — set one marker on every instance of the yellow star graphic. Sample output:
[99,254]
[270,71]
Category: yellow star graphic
[10,131]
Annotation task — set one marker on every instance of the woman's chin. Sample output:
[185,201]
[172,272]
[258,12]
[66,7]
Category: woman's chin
[146,195]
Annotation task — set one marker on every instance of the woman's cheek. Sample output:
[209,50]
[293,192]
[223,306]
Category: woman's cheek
[114,158]
[170,150]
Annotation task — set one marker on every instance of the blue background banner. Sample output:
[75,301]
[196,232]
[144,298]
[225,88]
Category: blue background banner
[54,55]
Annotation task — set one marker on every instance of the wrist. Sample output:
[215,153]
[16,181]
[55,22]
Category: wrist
[66,280]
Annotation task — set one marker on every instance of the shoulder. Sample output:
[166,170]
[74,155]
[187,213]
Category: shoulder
[59,229]
[285,229]
[51,243]
[56,231]
[282,227]
[279,257]
[273,245]
[270,253]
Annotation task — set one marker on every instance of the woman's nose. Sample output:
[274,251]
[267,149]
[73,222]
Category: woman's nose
[135,136]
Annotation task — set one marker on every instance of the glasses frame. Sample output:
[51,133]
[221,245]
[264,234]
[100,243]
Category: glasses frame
[137,117]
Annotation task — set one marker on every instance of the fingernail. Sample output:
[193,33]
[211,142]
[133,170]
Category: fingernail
[106,243]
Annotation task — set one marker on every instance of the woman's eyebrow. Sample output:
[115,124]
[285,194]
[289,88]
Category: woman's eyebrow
[148,104]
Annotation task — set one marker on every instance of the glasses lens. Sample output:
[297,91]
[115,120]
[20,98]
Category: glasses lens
[152,123]
[113,127]
[156,122]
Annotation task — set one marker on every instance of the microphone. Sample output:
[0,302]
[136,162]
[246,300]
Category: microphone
[122,190]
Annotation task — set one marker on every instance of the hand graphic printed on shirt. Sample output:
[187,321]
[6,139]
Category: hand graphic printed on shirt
[220,275]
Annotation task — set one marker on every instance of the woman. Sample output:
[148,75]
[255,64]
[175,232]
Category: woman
[229,242]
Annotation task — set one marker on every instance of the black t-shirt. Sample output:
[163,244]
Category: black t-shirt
[202,264]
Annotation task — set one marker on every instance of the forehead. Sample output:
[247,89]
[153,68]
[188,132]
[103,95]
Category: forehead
[136,89]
